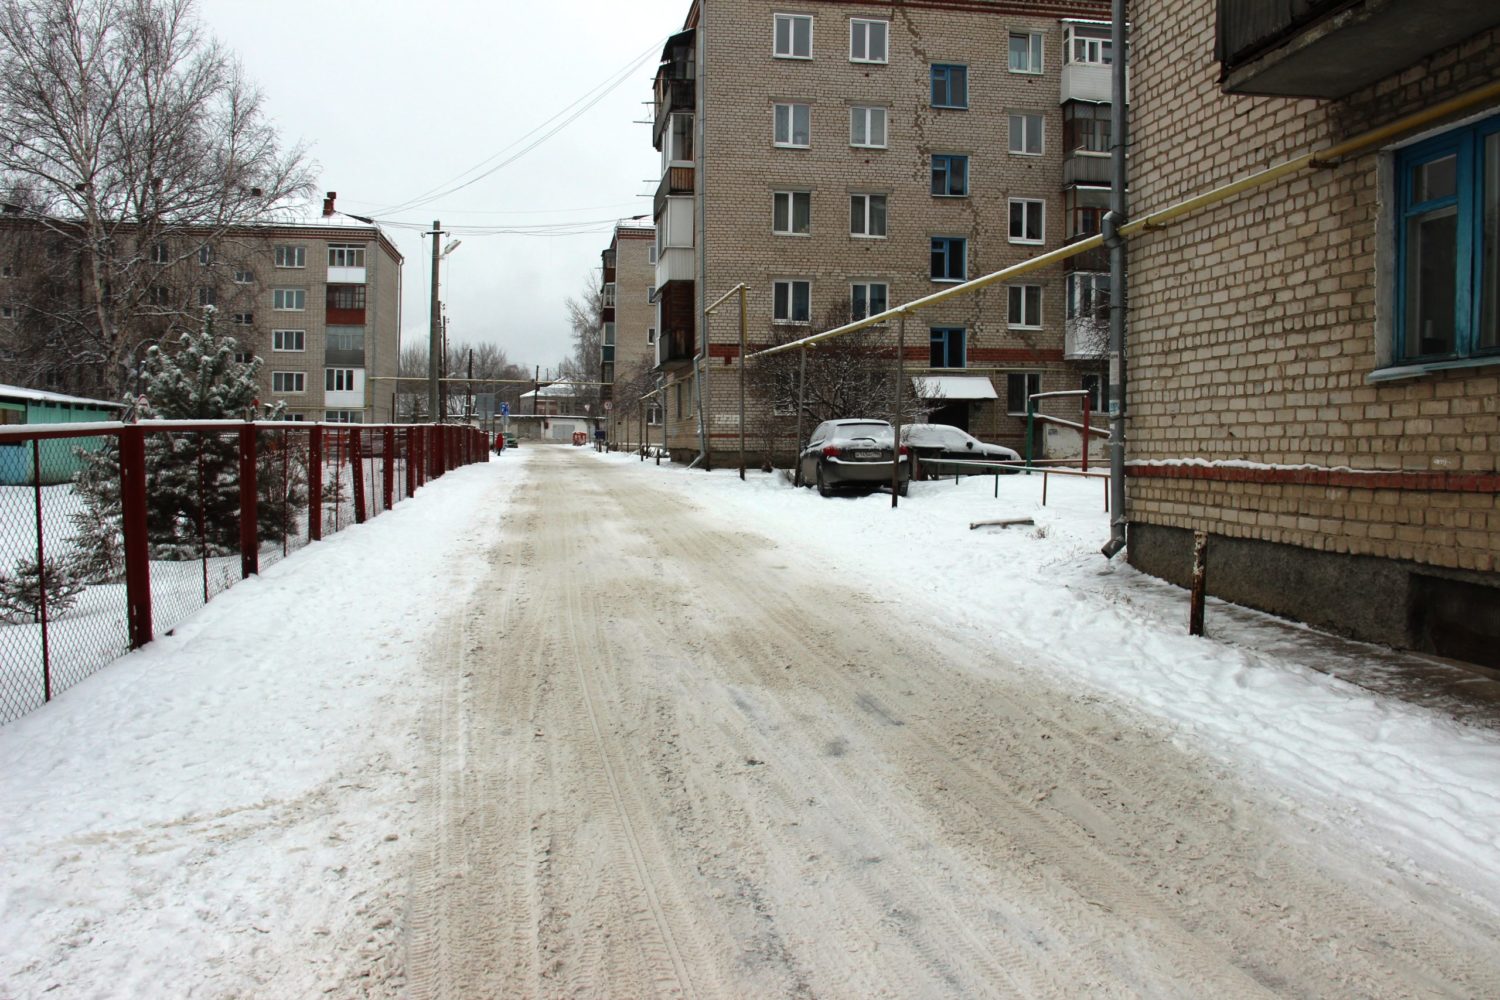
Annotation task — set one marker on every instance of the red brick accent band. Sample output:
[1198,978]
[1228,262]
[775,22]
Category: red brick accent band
[1432,482]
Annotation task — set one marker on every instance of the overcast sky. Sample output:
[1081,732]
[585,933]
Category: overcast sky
[395,98]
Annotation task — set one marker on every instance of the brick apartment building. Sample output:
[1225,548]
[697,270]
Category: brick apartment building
[320,304]
[853,156]
[628,352]
[1336,330]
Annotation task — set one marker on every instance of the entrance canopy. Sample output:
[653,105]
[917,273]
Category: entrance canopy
[954,387]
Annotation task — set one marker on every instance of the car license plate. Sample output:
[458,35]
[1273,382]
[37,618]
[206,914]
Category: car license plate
[867,455]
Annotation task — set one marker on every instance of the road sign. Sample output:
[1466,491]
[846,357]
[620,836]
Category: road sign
[505,409]
[608,406]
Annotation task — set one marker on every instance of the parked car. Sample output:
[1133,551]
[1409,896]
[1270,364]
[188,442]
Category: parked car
[932,443]
[852,454]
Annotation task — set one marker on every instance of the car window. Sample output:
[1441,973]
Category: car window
[819,433]
[873,429]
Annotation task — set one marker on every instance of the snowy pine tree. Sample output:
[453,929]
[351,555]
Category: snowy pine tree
[21,590]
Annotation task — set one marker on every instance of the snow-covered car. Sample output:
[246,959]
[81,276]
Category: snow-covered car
[852,454]
[933,443]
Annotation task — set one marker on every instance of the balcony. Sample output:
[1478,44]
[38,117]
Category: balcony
[672,96]
[346,275]
[1085,339]
[676,343]
[348,357]
[345,305]
[1089,82]
[1087,168]
[1331,48]
[676,181]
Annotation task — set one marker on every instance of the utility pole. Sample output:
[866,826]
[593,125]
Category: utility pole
[443,383]
[434,332]
[1115,218]
[536,388]
[469,389]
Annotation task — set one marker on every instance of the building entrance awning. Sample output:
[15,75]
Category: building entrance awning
[955,387]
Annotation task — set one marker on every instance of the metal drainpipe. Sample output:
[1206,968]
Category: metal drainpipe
[1119,124]
[702,363]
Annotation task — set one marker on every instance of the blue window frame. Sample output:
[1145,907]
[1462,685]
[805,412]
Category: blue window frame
[950,86]
[949,258]
[948,347]
[950,175]
[1448,246]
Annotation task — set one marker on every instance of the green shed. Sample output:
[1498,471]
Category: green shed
[33,406]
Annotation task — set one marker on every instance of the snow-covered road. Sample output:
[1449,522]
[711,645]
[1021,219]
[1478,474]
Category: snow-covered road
[571,725]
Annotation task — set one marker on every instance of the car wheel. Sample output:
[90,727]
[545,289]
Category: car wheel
[823,489]
[905,485]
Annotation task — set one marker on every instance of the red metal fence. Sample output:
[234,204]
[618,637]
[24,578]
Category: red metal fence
[112,533]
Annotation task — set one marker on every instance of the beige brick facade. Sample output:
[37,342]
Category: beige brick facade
[740,169]
[630,265]
[1261,330]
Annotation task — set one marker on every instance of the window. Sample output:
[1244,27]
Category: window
[1087,44]
[651,254]
[290,256]
[1025,51]
[344,416]
[793,125]
[1026,215]
[1018,387]
[1025,307]
[244,277]
[608,300]
[345,338]
[949,258]
[289,299]
[159,253]
[650,335]
[791,213]
[867,127]
[650,295]
[867,215]
[338,379]
[793,36]
[950,86]
[950,175]
[345,297]
[346,255]
[681,408]
[206,254]
[792,302]
[1088,296]
[1094,385]
[947,347]
[1026,134]
[653,415]
[242,319]
[207,296]
[609,335]
[1086,127]
[7,312]
[158,295]
[677,141]
[1448,246]
[867,298]
[867,41]
[288,340]
[285,382]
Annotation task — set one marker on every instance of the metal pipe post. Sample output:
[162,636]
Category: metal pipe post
[133,525]
[742,381]
[1118,207]
[434,330]
[801,387]
[896,417]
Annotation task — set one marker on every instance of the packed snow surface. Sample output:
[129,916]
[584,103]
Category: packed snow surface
[238,809]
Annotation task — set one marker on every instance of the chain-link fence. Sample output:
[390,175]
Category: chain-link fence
[113,533]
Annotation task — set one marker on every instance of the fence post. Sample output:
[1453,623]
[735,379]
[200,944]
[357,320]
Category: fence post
[41,568]
[411,472]
[314,483]
[1200,582]
[133,523]
[249,493]
[1086,411]
[387,469]
[358,470]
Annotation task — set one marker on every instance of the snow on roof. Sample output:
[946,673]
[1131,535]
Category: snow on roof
[954,387]
[38,396]
[562,387]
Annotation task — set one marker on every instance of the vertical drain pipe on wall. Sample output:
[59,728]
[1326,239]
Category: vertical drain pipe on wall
[1118,298]
[700,177]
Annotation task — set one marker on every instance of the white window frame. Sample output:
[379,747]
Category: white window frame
[290,255]
[346,255]
[207,296]
[280,296]
[1032,379]
[1036,53]
[791,125]
[791,298]
[1011,293]
[792,21]
[1093,45]
[867,214]
[242,319]
[244,276]
[341,379]
[607,300]
[650,335]
[343,416]
[867,115]
[790,200]
[279,339]
[1041,133]
[292,383]
[651,253]
[866,23]
[1028,205]
[867,285]
[206,254]
[159,254]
